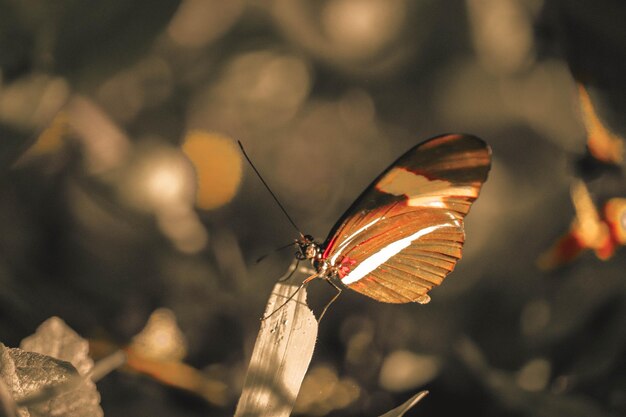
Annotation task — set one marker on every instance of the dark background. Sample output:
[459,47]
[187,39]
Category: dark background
[324,95]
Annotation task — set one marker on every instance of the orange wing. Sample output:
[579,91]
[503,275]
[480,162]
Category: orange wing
[404,234]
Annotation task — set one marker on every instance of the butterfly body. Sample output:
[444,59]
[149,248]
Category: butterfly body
[404,233]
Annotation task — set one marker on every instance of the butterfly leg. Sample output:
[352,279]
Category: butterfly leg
[304,284]
[332,300]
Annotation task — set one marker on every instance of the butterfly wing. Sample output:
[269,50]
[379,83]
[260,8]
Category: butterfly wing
[404,234]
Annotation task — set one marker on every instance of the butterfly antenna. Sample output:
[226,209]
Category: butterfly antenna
[304,284]
[270,190]
[274,251]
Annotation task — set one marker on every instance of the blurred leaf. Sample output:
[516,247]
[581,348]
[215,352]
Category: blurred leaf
[14,142]
[8,408]
[49,142]
[282,354]
[158,350]
[33,101]
[55,338]
[28,106]
[8,375]
[410,403]
[161,339]
[178,375]
[44,386]
[603,144]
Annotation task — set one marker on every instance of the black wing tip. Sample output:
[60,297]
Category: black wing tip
[466,141]
[465,137]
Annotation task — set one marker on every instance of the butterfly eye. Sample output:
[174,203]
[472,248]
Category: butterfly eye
[311,251]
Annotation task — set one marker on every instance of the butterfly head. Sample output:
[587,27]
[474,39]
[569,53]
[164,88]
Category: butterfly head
[307,248]
[311,250]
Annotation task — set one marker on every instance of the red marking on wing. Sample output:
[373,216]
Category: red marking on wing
[410,273]
[346,265]
[329,246]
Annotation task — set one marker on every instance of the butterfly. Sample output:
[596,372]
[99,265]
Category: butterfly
[404,234]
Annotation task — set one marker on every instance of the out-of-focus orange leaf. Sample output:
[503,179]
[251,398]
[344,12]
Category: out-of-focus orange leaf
[589,230]
[160,339]
[615,215]
[157,352]
[324,391]
[587,226]
[218,167]
[178,375]
[563,251]
[603,144]
[49,142]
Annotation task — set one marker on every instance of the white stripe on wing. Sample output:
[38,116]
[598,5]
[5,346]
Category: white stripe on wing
[380,257]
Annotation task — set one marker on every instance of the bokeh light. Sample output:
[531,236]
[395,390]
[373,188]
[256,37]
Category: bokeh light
[199,22]
[147,84]
[403,371]
[161,339]
[34,101]
[362,27]
[257,90]
[160,178]
[534,375]
[217,162]
[323,391]
[502,32]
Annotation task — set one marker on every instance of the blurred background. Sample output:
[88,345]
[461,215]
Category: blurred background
[122,190]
